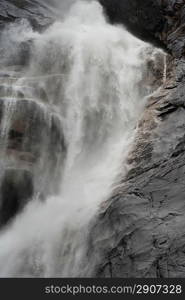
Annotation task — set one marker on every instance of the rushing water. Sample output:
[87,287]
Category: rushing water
[90,72]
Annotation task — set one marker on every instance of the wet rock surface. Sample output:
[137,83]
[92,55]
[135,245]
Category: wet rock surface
[143,222]
[143,18]
[37,12]
[160,22]
[32,144]
[16,190]
[35,137]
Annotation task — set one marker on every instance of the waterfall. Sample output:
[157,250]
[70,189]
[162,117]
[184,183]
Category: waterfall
[83,77]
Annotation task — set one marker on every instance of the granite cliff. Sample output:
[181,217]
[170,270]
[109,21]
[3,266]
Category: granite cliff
[143,222]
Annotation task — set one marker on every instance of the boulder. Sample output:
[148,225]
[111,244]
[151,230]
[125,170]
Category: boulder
[16,190]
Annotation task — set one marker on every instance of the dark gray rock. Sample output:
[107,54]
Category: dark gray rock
[143,18]
[37,12]
[140,230]
[35,137]
[15,191]
[33,140]
[160,22]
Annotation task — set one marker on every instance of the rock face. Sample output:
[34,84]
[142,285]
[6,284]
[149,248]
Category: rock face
[16,190]
[37,12]
[160,22]
[32,145]
[143,18]
[143,223]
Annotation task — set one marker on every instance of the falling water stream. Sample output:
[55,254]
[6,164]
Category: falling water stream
[90,74]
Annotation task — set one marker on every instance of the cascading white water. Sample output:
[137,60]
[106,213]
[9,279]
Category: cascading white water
[90,72]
